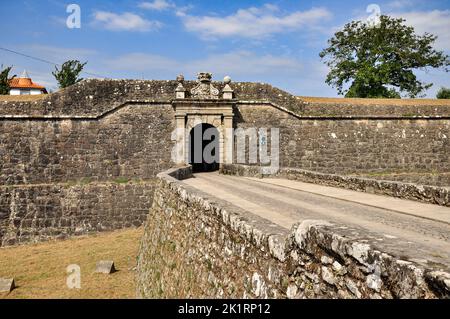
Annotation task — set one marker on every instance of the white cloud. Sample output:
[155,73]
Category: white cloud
[58,54]
[254,22]
[284,72]
[158,5]
[311,81]
[436,22]
[400,4]
[302,77]
[141,62]
[237,63]
[124,22]
[182,11]
[246,63]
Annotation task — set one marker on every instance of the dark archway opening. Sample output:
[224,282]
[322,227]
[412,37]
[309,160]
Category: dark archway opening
[204,148]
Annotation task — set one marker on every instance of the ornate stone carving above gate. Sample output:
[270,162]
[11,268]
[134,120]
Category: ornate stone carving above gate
[204,88]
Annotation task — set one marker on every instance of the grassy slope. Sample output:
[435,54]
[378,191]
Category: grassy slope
[40,269]
[393,102]
[22,98]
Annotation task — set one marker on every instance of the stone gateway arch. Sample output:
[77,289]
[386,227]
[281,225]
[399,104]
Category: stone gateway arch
[204,141]
[204,105]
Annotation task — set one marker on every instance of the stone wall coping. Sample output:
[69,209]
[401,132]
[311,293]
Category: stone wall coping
[86,117]
[343,116]
[170,102]
[367,249]
[373,101]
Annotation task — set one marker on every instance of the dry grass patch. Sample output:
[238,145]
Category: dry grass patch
[359,101]
[22,98]
[40,269]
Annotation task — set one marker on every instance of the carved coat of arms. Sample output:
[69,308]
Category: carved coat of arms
[204,88]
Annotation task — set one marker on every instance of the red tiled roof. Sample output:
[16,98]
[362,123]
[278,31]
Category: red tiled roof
[24,83]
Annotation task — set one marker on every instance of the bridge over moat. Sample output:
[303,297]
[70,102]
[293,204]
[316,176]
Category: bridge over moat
[423,229]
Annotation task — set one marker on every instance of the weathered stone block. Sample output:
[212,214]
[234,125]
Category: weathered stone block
[105,267]
[7,284]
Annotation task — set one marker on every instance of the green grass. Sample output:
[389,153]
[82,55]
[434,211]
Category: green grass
[85,181]
[122,180]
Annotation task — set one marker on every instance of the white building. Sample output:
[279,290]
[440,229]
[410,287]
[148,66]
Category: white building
[25,86]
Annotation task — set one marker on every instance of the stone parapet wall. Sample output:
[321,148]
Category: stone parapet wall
[34,213]
[422,193]
[42,161]
[352,145]
[123,128]
[433,178]
[197,246]
[96,98]
[376,108]
[134,142]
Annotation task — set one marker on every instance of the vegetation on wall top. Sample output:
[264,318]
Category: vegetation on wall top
[69,73]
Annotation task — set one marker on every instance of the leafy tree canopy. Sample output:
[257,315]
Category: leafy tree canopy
[69,73]
[4,80]
[379,60]
[443,93]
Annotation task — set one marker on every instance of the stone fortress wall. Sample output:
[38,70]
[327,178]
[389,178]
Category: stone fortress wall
[364,144]
[86,158]
[73,164]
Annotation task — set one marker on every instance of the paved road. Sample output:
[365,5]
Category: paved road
[424,228]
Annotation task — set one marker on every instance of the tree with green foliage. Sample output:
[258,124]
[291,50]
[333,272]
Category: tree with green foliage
[4,80]
[443,93]
[69,73]
[379,60]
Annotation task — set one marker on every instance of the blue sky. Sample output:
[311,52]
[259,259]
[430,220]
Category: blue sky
[276,42]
